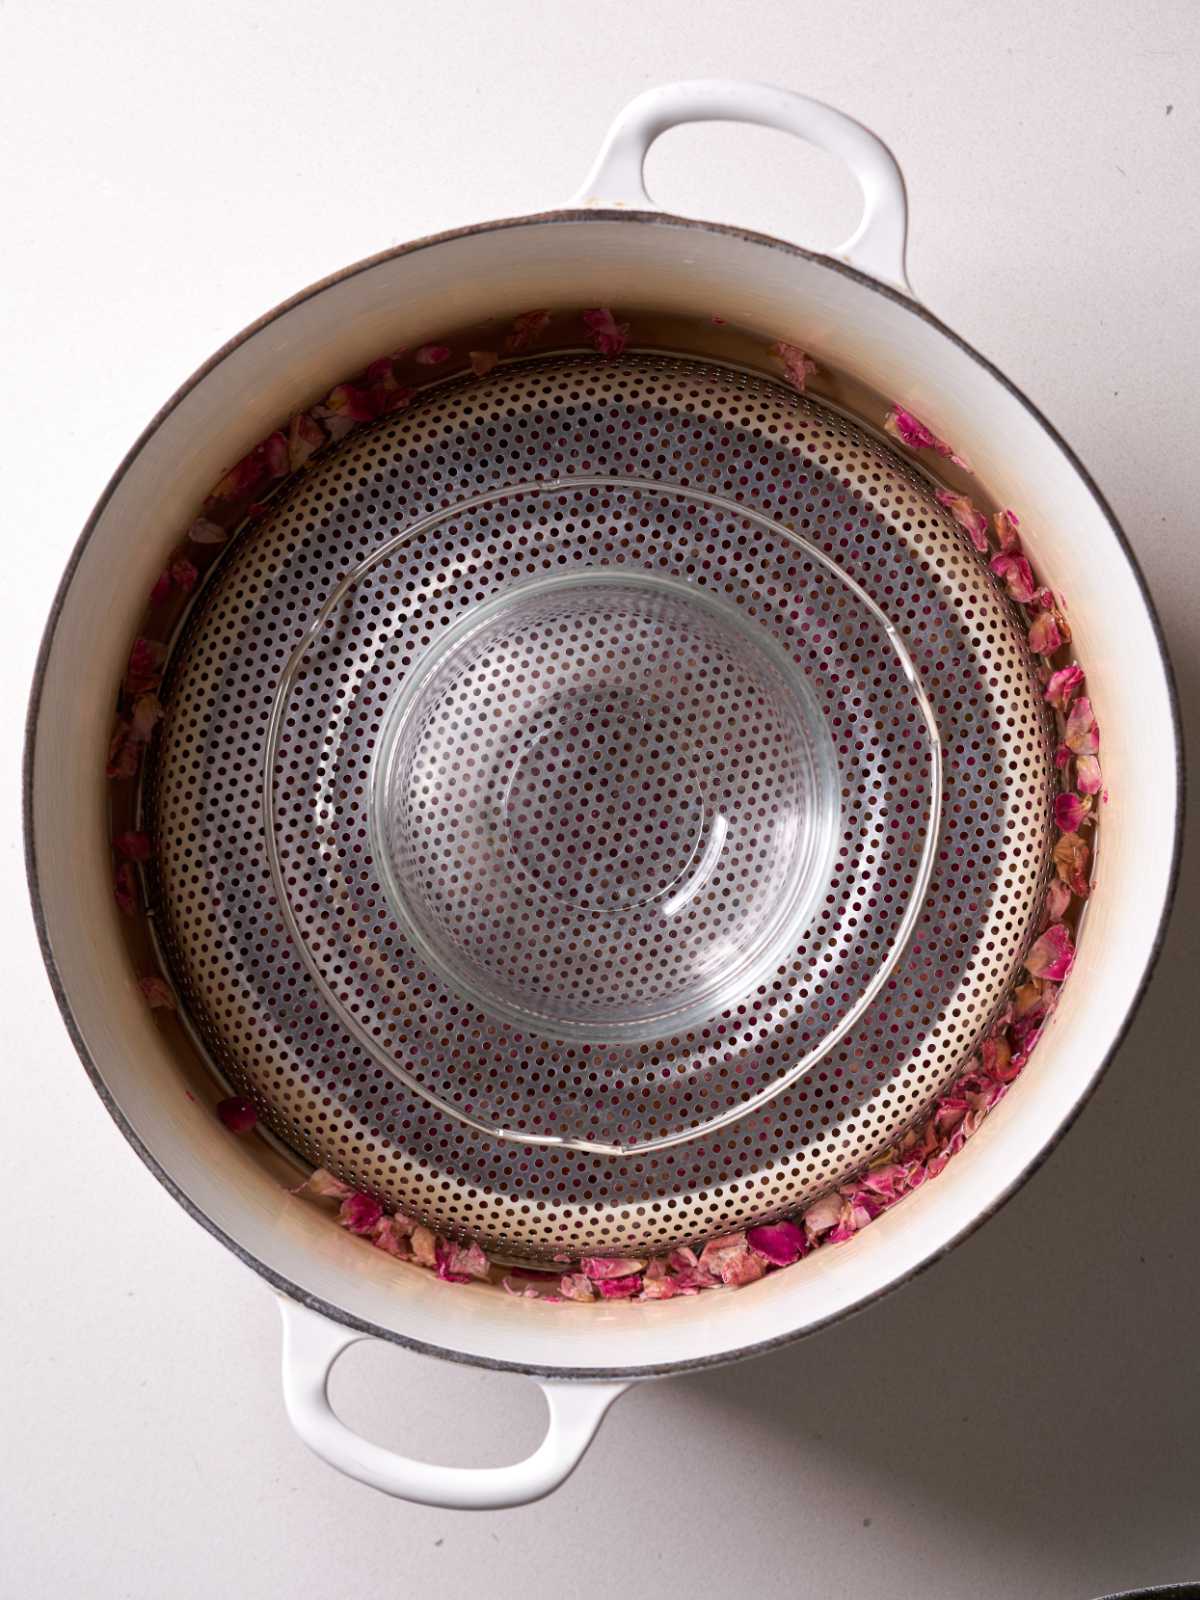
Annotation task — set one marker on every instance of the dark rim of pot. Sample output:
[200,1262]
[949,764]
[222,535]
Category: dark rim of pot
[276,1280]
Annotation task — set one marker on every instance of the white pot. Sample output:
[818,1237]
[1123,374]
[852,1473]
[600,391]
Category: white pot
[853,311]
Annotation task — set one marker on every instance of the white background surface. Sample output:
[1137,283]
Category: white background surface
[1025,1419]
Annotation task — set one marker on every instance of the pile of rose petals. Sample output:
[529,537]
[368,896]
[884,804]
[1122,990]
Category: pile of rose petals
[736,1259]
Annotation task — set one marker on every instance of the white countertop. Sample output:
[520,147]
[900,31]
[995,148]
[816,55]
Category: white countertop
[1024,1420]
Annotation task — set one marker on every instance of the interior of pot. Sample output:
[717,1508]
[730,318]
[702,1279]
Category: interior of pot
[571,261]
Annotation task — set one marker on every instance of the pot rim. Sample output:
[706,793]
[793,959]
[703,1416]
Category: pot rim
[279,1282]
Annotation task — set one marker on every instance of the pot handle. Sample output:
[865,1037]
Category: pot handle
[877,244]
[311,1345]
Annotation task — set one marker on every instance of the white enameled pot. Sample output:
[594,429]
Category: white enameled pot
[851,310]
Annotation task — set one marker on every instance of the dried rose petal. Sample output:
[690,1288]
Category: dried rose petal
[305,437]
[608,335]
[1088,777]
[995,1055]
[1058,898]
[124,754]
[610,1266]
[823,1214]
[204,531]
[125,891]
[147,714]
[322,1185]
[157,993]
[134,846]
[717,322]
[619,1288]
[353,402]
[1071,854]
[391,1235]
[184,574]
[482,361]
[885,1183]
[798,365]
[266,461]
[526,328]
[968,516]
[337,424]
[424,1244]
[732,1259]
[1070,812]
[661,1289]
[1063,687]
[1052,956]
[144,671]
[432,355]
[1045,636]
[459,1263]
[1082,735]
[1007,525]
[1017,576]
[359,1212]
[780,1242]
[238,1115]
[576,1286]
[162,587]
[912,432]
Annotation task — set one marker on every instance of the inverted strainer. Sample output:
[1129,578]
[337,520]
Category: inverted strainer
[553,834]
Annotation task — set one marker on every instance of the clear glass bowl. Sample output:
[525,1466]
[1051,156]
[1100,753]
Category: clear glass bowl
[604,804]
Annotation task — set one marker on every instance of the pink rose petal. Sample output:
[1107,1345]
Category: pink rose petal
[968,516]
[237,1114]
[162,587]
[823,1215]
[390,1234]
[1082,736]
[1063,686]
[1045,636]
[610,1266]
[432,355]
[459,1263]
[353,402]
[1071,854]
[577,1286]
[619,1288]
[1070,812]
[305,438]
[1088,777]
[184,574]
[204,531]
[1007,525]
[780,1242]
[144,670]
[1017,576]
[359,1212]
[798,365]
[1052,956]
[157,993]
[911,431]
[125,891]
[660,1289]
[134,846]
[482,361]
[424,1244]
[608,335]
[732,1260]
[1058,898]
[526,329]
[322,1185]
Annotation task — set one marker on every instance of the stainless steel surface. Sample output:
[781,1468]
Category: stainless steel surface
[316,1056]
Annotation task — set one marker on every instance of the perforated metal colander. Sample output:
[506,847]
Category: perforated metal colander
[600,806]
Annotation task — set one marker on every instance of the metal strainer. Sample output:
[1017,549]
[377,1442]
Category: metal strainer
[600,806]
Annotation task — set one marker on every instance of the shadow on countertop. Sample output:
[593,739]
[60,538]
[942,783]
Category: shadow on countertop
[1044,1380]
